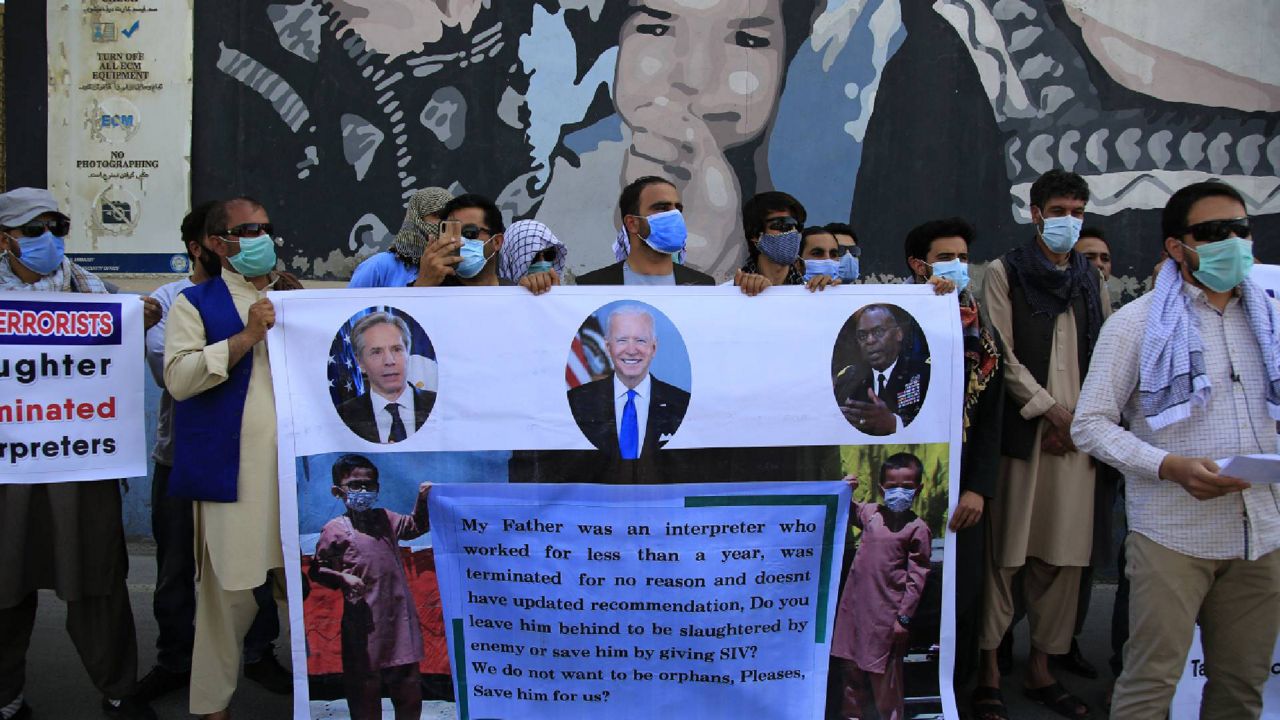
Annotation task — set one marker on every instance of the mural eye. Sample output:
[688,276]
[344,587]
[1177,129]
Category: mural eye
[653,29]
[748,40]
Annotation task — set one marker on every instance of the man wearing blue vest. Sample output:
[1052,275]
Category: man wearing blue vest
[224,425]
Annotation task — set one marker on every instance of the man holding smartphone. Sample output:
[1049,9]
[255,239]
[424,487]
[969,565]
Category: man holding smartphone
[466,254]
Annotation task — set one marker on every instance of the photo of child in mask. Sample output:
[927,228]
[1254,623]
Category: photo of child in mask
[883,590]
[358,553]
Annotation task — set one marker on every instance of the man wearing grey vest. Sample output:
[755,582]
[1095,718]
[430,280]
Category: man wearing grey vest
[1047,304]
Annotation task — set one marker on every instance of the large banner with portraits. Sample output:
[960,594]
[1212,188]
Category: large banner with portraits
[601,408]
[71,395]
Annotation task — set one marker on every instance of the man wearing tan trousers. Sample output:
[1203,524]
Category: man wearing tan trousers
[224,421]
[1193,368]
[1047,304]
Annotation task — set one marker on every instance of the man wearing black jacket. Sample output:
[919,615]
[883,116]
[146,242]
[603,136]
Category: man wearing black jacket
[651,217]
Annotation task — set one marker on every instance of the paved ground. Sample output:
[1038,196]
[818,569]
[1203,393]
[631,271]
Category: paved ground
[58,689]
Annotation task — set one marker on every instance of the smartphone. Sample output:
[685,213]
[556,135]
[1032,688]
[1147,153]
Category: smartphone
[451,230]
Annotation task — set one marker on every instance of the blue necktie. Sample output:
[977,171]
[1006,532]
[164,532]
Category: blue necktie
[629,433]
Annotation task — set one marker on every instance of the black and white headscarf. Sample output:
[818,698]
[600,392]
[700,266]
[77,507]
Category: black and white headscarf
[521,242]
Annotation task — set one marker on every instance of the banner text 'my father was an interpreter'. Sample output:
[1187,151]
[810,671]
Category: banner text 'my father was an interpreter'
[71,395]
[641,601]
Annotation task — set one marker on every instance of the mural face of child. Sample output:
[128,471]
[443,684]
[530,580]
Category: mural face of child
[717,62]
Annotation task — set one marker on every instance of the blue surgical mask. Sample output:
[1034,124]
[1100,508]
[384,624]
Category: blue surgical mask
[899,499]
[41,255]
[848,267]
[667,232]
[256,258]
[1061,233]
[360,500]
[473,259]
[783,248]
[541,266]
[1223,264]
[830,268]
[955,270]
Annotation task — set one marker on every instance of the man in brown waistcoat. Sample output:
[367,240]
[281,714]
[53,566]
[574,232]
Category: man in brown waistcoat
[1047,303]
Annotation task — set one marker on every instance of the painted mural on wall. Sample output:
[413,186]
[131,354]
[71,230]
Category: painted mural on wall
[880,112]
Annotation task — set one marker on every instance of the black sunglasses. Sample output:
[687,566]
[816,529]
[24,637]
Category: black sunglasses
[1215,230]
[548,255]
[842,250]
[244,230]
[36,228]
[782,224]
[472,232]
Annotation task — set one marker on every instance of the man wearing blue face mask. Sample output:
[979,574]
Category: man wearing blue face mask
[67,537]
[224,431]
[940,249]
[1047,305]
[847,251]
[652,218]
[472,259]
[772,223]
[32,238]
[1193,367]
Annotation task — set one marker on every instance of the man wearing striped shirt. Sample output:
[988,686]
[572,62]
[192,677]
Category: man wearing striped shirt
[1193,368]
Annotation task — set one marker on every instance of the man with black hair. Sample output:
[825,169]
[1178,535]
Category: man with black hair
[1047,304]
[941,248]
[849,253]
[653,221]
[172,523]
[1194,368]
[472,259]
[1094,247]
[772,223]
[217,369]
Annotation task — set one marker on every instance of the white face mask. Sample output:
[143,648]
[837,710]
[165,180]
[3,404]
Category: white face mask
[899,499]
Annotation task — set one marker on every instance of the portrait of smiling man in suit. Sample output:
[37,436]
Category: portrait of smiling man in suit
[630,414]
[392,409]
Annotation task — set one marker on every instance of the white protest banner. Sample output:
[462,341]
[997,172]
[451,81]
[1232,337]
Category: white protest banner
[120,89]
[379,391]
[1186,701]
[72,402]
[643,601]
[1268,276]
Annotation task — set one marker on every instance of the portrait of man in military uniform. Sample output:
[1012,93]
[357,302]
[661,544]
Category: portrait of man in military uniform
[880,369]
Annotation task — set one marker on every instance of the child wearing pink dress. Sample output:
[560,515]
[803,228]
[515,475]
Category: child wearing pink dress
[882,592]
[359,554]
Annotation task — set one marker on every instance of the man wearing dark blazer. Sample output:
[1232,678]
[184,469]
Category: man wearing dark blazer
[629,415]
[652,246]
[883,394]
[382,345]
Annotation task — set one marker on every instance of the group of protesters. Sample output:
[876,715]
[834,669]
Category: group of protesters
[1066,401]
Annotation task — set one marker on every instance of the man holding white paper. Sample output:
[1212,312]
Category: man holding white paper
[1194,369]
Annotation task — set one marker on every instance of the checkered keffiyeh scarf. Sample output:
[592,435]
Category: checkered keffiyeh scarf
[621,246]
[70,277]
[521,242]
[415,232]
[1172,364]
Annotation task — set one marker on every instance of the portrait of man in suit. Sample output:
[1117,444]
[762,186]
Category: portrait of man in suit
[881,377]
[391,409]
[629,414]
